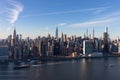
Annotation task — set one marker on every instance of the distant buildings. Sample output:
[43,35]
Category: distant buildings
[59,46]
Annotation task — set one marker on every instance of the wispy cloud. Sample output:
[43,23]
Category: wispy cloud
[62,24]
[90,23]
[114,14]
[92,10]
[13,11]
[10,12]
[99,11]
[103,19]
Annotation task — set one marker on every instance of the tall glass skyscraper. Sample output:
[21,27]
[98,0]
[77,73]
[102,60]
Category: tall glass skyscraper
[56,33]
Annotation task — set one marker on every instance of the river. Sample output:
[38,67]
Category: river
[82,69]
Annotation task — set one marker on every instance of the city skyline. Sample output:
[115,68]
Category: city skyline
[34,18]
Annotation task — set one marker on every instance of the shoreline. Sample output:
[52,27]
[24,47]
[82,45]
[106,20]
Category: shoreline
[61,58]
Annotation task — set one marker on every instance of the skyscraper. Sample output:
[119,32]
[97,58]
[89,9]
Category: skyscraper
[56,33]
[106,41]
[87,33]
[106,35]
[62,37]
[14,36]
[93,34]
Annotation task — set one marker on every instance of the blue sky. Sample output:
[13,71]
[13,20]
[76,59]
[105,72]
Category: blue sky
[40,17]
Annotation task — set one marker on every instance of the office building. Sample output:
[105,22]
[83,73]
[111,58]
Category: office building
[87,47]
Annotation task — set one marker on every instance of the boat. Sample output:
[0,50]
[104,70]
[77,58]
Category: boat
[21,66]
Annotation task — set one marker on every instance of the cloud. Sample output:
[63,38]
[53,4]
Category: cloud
[13,11]
[62,24]
[92,10]
[10,11]
[75,11]
[99,11]
[90,23]
[114,14]
[101,20]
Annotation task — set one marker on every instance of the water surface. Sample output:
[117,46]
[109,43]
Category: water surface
[83,69]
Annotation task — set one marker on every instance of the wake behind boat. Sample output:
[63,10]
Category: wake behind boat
[21,65]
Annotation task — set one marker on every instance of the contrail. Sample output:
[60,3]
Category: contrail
[13,10]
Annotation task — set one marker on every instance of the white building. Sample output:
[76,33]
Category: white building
[87,47]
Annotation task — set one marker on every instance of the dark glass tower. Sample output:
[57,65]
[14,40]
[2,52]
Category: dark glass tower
[56,33]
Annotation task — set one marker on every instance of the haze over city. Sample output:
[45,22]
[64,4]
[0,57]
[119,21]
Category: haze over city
[41,17]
